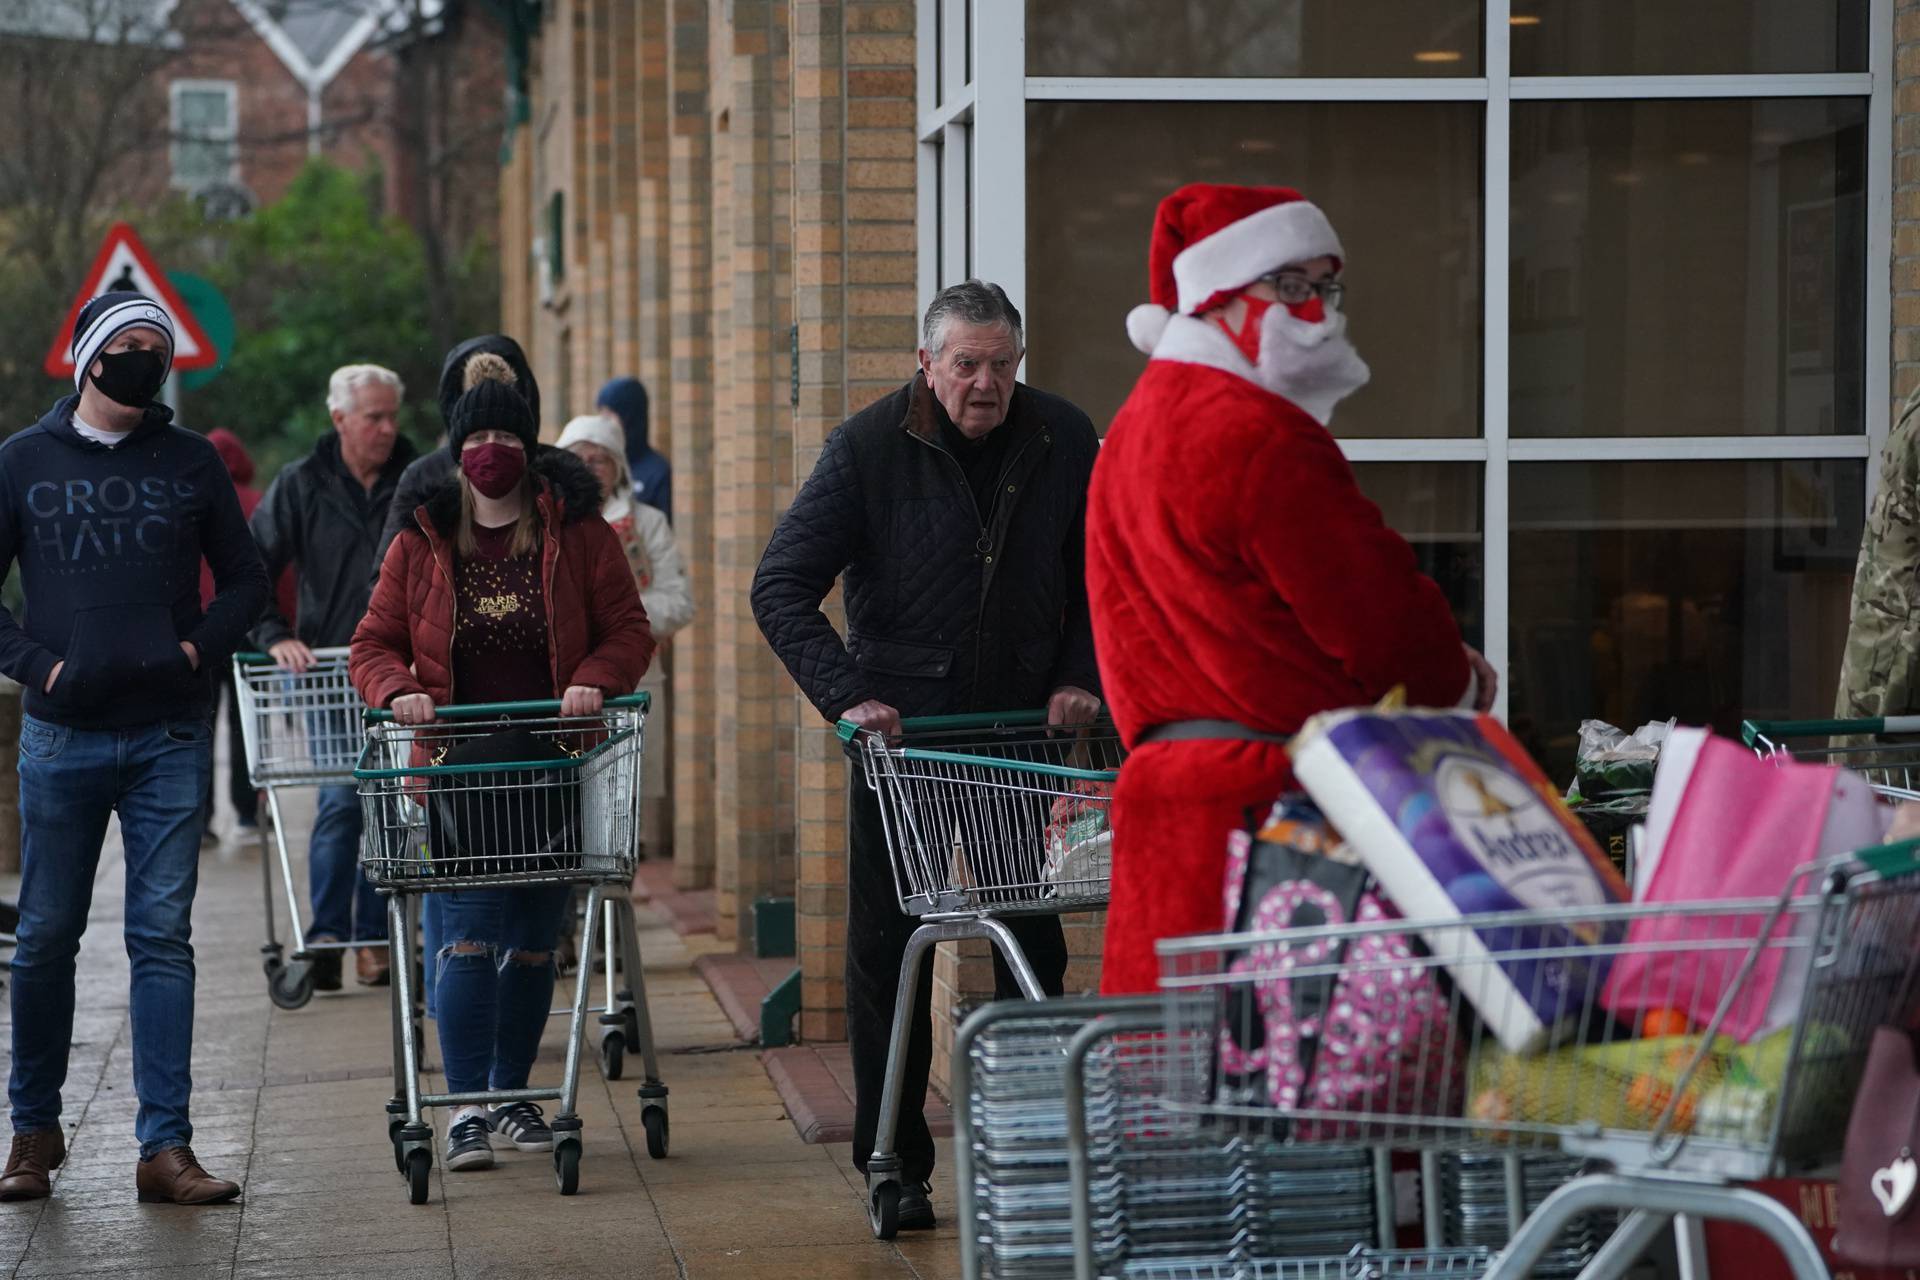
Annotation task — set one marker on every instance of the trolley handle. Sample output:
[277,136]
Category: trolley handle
[485,710]
[1891,861]
[255,658]
[1752,731]
[847,729]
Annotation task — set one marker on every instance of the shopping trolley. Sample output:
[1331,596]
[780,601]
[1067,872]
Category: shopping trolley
[1678,1121]
[566,815]
[1068,1163]
[300,730]
[1861,745]
[985,816]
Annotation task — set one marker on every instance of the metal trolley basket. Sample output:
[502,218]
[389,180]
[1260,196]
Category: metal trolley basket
[566,815]
[1681,1119]
[299,730]
[1861,745]
[986,816]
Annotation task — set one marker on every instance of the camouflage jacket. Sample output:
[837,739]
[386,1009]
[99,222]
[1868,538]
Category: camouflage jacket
[1880,675]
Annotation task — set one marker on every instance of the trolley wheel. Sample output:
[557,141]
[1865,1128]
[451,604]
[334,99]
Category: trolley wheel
[630,1019]
[613,1055]
[883,1210]
[419,1165]
[394,1126]
[655,1120]
[289,986]
[566,1165]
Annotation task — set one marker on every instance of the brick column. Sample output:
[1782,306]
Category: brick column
[853,228]
[753,450]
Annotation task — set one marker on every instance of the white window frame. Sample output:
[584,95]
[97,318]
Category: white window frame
[232,136]
[987,110]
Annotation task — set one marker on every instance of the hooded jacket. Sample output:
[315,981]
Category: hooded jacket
[424,478]
[597,632]
[652,474]
[109,540]
[317,518]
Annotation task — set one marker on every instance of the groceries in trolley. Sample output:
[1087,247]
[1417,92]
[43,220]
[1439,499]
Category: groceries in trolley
[1453,818]
[1078,838]
[1349,1036]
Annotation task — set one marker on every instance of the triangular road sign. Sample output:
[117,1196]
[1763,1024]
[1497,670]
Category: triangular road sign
[124,263]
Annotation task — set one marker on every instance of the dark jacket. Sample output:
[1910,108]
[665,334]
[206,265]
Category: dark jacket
[943,615]
[424,478]
[597,632]
[318,518]
[109,541]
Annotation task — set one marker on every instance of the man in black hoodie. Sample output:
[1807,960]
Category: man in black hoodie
[109,508]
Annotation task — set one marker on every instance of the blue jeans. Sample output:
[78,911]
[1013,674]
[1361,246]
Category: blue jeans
[71,781]
[492,1006]
[345,906]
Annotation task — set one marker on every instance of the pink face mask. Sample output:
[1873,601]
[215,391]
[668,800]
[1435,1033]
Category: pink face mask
[494,469]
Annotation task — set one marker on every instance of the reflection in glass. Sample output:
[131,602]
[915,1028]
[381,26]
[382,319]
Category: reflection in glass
[1401,182]
[1254,38]
[1437,507]
[1688,37]
[1688,267]
[1710,591]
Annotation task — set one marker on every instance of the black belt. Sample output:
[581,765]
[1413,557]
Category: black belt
[1207,731]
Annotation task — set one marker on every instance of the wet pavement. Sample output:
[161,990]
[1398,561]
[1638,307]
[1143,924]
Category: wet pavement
[291,1104]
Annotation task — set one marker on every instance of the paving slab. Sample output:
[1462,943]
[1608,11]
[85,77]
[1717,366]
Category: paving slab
[292,1104]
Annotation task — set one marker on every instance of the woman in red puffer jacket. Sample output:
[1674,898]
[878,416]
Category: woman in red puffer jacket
[507,586]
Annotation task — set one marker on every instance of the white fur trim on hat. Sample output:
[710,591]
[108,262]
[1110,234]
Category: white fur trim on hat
[1145,324]
[1240,253]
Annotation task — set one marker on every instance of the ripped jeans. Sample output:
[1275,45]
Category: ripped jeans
[494,977]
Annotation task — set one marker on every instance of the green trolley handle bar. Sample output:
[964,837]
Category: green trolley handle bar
[1891,861]
[255,658]
[482,710]
[485,710]
[1779,730]
[848,730]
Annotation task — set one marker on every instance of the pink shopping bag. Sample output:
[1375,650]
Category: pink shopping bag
[1725,825]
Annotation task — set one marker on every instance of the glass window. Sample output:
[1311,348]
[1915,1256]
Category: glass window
[203,132]
[1688,37]
[1401,182]
[1254,38]
[1688,267]
[1710,591]
[1437,506]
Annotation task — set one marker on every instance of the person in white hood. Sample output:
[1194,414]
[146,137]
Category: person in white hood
[665,593]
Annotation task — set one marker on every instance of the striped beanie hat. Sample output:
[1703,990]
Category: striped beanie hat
[107,316]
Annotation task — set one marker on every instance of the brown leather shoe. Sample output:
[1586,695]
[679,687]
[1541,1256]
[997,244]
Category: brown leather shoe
[34,1156]
[370,968]
[175,1177]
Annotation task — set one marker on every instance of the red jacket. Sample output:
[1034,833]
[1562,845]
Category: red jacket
[597,632]
[1237,572]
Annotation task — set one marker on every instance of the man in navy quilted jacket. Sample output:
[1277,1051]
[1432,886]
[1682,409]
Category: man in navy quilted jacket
[952,513]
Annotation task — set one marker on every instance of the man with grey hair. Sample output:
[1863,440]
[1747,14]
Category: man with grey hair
[952,512]
[323,515]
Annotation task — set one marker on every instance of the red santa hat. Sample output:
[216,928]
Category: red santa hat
[1210,240]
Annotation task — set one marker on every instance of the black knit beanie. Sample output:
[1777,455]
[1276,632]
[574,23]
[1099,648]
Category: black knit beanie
[491,402]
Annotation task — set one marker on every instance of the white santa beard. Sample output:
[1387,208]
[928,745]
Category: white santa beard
[1312,365]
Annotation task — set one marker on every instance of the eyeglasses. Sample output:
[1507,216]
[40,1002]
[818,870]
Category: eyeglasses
[1295,289]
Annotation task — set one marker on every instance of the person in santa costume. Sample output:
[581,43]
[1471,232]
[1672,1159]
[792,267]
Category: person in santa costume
[1239,581]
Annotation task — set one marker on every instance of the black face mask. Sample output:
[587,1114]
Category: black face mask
[131,378]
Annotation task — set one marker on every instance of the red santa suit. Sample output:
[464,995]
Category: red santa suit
[1235,570]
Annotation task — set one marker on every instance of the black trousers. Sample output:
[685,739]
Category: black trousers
[245,800]
[877,933]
